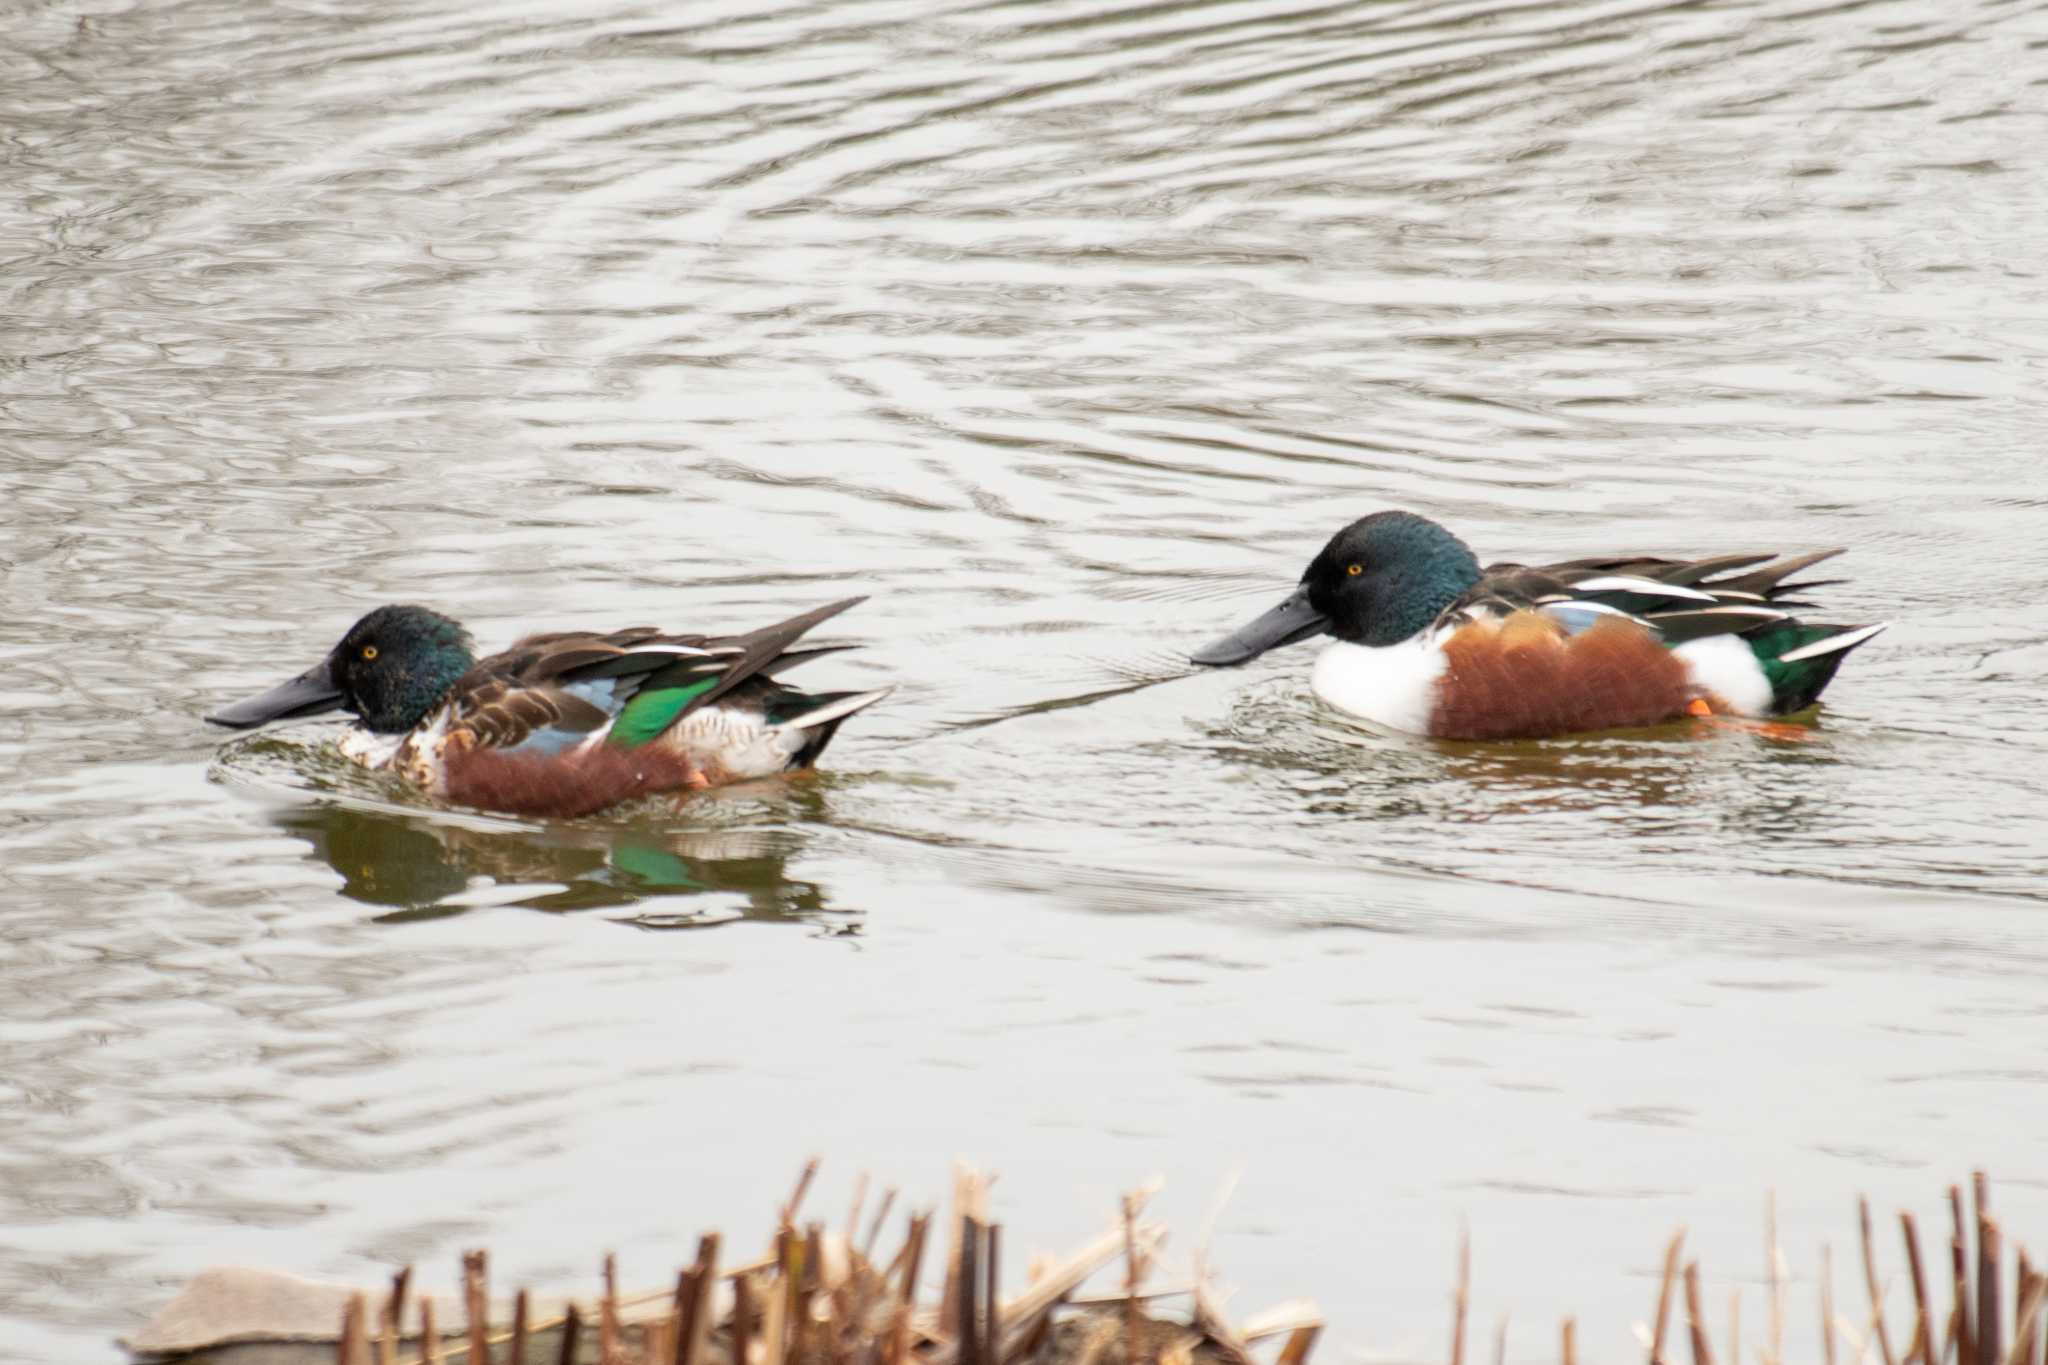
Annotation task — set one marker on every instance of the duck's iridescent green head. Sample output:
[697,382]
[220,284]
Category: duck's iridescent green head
[1379,581]
[392,668]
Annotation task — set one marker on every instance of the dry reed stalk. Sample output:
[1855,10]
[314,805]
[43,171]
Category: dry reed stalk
[860,1197]
[1735,1327]
[970,1201]
[476,1306]
[685,1300]
[1959,1258]
[572,1328]
[1923,1323]
[1664,1297]
[658,1339]
[1500,1342]
[1570,1346]
[1059,1281]
[1827,1304]
[695,1329]
[1702,1353]
[1281,1319]
[867,1249]
[520,1309]
[912,1257]
[775,1323]
[1774,1271]
[430,1335]
[796,1197]
[353,1347]
[1299,1342]
[897,1347]
[1462,1297]
[964,1281]
[742,1326]
[393,1318]
[992,1351]
[2023,1324]
[608,1314]
[1133,1272]
[1989,1245]
[1209,1321]
[1870,1283]
[805,1286]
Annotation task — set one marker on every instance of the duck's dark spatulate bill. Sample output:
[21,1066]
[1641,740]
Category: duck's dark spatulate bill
[309,694]
[1293,620]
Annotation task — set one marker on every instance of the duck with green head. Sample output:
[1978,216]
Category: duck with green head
[1427,641]
[569,723]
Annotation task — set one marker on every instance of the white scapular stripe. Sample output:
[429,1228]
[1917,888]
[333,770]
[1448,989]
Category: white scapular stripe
[1833,644]
[1644,586]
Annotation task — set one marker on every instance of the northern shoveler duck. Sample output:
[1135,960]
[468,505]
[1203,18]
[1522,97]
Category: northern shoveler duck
[569,723]
[1429,642]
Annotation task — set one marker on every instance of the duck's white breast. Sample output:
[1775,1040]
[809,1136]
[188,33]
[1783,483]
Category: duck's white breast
[368,748]
[1391,685]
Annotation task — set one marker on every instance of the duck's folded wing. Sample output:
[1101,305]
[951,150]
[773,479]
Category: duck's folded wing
[549,691]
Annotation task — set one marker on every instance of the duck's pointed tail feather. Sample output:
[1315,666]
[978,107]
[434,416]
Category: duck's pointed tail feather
[818,716]
[1799,659]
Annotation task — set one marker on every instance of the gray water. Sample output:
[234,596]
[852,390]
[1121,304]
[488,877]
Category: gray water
[1067,331]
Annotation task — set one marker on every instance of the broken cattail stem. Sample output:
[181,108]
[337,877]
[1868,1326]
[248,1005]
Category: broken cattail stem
[695,1330]
[520,1308]
[393,1324]
[1988,1248]
[742,1317]
[913,1256]
[608,1314]
[1884,1338]
[353,1348]
[1774,1270]
[1923,1323]
[1702,1353]
[685,1300]
[430,1335]
[860,1197]
[2023,1322]
[796,1198]
[875,1228]
[896,1349]
[2022,1337]
[1299,1342]
[1132,1312]
[966,1283]
[476,1306]
[1462,1296]
[775,1299]
[1827,1304]
[572,1327]
[1959,1258]
[1664,1292]
[992,1350]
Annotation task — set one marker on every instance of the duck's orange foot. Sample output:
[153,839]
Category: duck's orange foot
[1700,709]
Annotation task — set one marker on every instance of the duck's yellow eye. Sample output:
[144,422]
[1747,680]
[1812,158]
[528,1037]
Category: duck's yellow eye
[1355,570]
[369,653]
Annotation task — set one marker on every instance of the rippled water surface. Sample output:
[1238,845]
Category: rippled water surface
[1067,331]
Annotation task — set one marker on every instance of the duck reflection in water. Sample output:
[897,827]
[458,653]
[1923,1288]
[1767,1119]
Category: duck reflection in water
[431,867]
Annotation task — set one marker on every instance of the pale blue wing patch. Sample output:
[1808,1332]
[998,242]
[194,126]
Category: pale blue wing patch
[1579,617]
